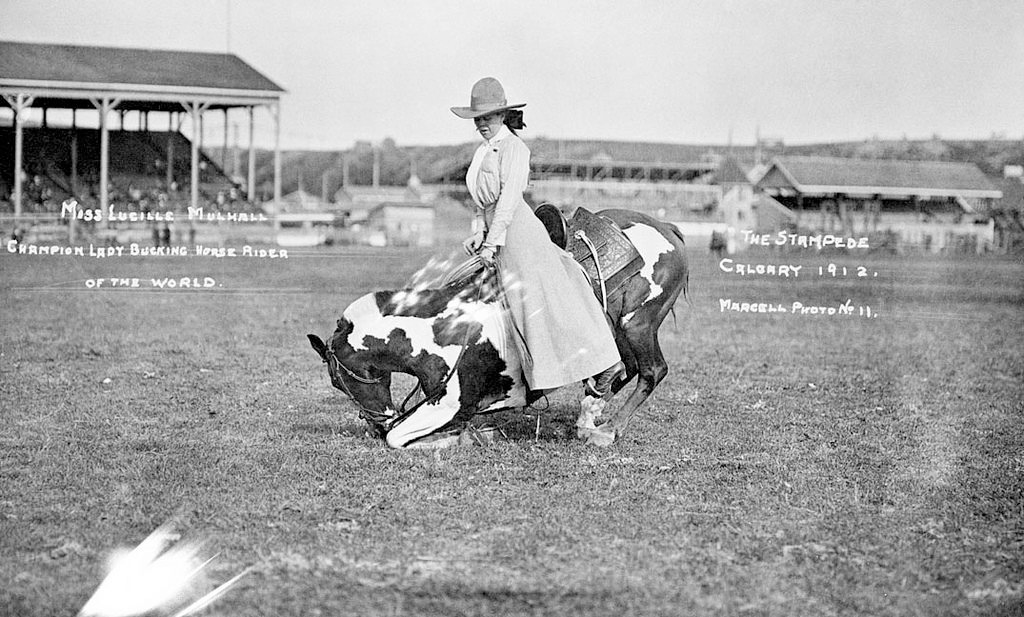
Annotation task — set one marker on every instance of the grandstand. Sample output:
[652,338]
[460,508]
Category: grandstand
[42,165]
[60,163]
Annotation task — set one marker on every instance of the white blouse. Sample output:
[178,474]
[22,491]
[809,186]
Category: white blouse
[496,179]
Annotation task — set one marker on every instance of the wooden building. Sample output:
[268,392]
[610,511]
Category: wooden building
[929,204]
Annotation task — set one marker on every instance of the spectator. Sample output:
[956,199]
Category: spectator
[718,244]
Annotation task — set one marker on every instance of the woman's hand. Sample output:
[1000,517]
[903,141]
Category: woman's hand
[472,244]
[487,255]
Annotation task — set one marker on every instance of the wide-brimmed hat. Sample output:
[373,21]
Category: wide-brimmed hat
[487,97]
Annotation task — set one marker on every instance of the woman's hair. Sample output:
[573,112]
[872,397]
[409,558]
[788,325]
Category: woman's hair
[514,120]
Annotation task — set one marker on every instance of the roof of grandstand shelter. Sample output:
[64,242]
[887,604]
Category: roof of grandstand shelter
[67,76]
[824,175]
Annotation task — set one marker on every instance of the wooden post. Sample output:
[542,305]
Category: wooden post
[236,163]
[74,162]
[18,108]
[276,110]
[197,136]
[171,134]
[224,150]
[195,111]
[104,107]
[104,154]
[74,151]
[19,105]
[251,193]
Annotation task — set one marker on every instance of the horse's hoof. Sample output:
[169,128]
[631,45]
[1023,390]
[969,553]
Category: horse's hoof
[594,405]
[597,437]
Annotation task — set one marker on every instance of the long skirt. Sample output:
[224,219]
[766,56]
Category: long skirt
[558,325]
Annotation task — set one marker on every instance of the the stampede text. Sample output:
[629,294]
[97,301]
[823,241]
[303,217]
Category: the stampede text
[819,241]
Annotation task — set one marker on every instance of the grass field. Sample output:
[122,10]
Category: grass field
[789,464]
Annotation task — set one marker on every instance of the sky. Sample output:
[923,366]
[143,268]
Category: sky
[676,71]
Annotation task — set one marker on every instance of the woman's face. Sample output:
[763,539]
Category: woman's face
[488,125]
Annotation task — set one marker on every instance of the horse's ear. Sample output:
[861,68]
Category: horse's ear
[318,345]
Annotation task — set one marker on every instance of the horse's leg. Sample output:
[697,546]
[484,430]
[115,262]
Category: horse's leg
[651,369]
[592,407]
[422,423]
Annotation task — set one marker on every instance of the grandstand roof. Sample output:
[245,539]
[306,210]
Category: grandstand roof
[67,76]
[828,175]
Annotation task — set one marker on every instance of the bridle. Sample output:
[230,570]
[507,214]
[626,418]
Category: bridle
[365,413]
[379,417]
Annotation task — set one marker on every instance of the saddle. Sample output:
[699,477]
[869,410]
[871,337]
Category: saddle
[607,256]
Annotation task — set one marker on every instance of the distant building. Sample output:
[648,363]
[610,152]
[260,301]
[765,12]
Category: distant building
[400,224]
[928,204]
[736,203]
[1008,214]
[728,207]
[367,196]
[301,201]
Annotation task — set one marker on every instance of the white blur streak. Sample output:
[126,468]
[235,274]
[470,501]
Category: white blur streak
[422,280]
[430,277]
[435,269]
[157,574]
[209,598]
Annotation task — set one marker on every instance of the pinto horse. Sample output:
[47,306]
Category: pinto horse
[454,340]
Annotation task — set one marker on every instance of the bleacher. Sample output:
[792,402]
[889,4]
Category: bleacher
[137,170]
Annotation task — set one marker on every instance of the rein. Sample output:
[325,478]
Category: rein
[404,413]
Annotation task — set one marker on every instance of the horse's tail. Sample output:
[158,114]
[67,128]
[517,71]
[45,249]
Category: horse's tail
[685,292]
[678,233]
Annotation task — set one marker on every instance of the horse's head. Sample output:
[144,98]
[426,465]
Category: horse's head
[353,373]
[418,332]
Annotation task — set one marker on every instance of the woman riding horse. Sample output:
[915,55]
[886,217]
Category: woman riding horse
[558,327]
